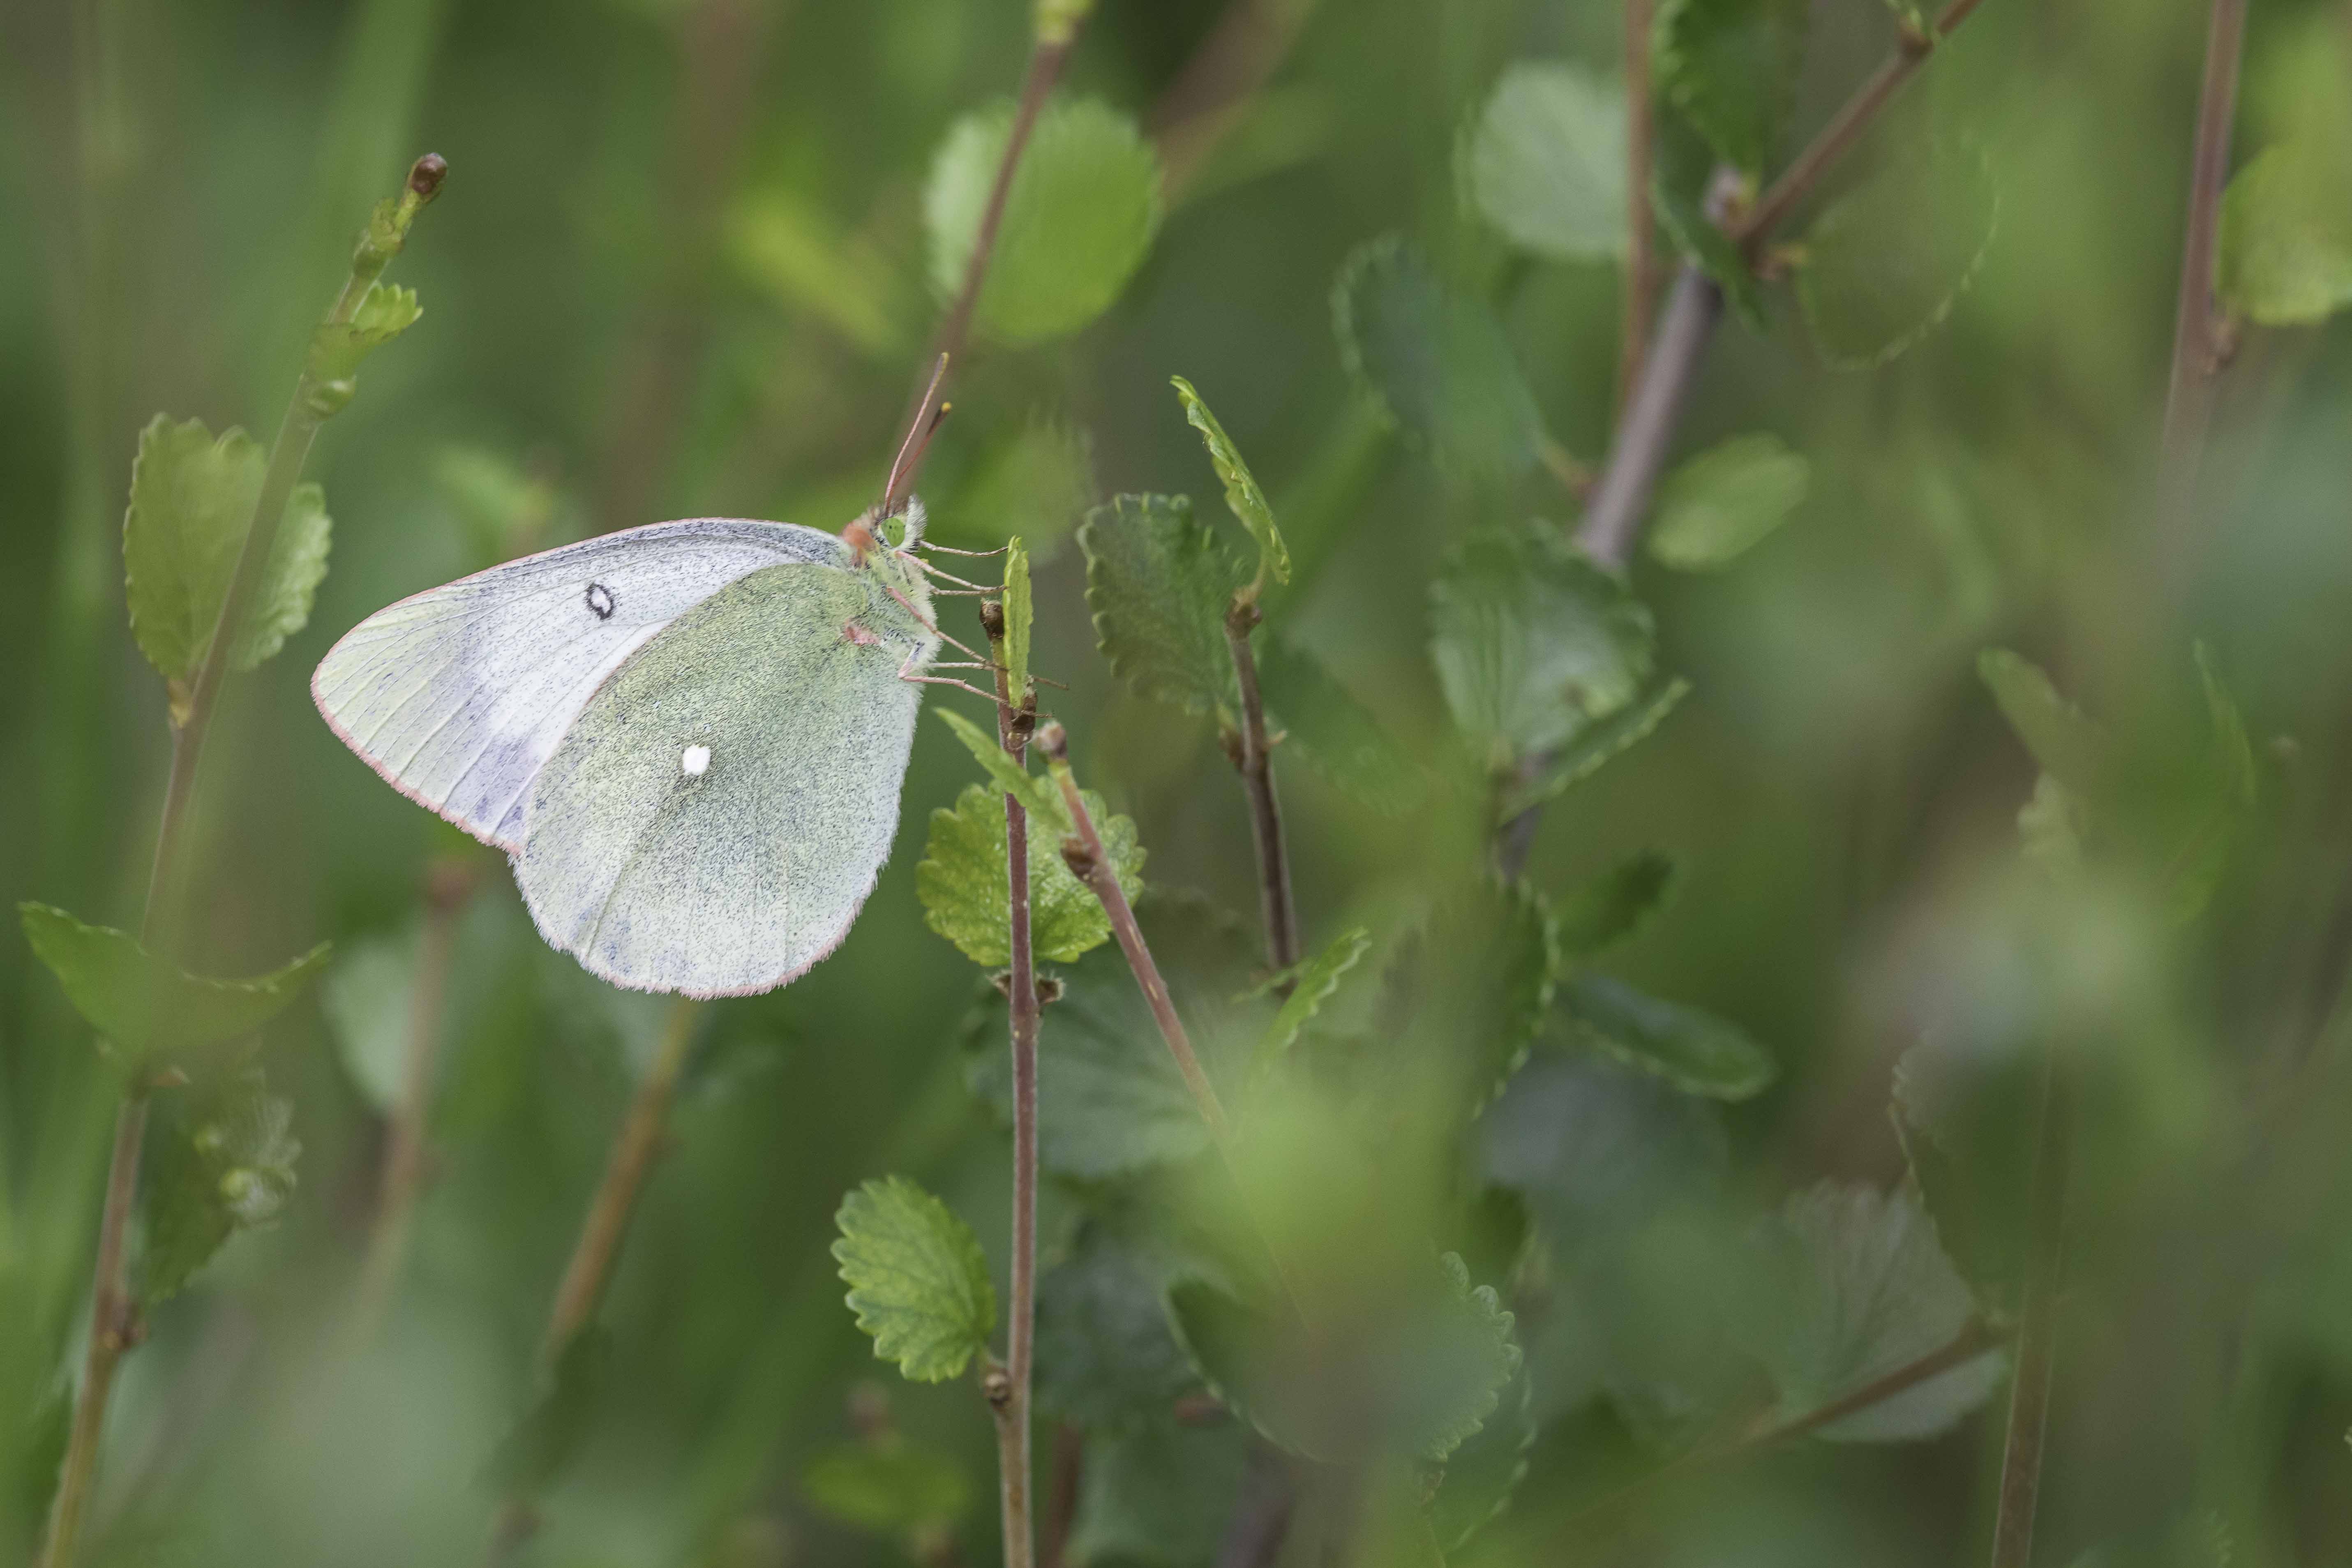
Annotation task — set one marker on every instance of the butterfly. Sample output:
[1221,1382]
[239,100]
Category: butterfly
[688,737]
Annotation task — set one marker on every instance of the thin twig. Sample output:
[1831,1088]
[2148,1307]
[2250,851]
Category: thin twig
[1252,757]
[2037,1338]
[449,887]
[1017,1480]
[2200,334]
[1640,287]
[113,1314]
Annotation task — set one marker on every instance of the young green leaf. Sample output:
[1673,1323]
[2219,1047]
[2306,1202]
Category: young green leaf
[1312,986]
[1533,643]
[1544,161]
[2287,235]
[1856,1284]
[965,886]
[1020,618]
[1611,907]
[1243,497]
[1081,212]
[1158,583]
[149,1011]
[1105,1358]
[1484,1472]
[1731,66]
[1885,264]
[891,1487]
[220,1159]
[1697,1052]
[1038,796]
[1323,725]
[1719,505]
[1437,362]
[1595,745]
[917,1280]
[2070,747]
[385,312]
[192,501]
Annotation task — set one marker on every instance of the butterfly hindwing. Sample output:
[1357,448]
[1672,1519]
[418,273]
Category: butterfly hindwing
[459,695]
[717,812]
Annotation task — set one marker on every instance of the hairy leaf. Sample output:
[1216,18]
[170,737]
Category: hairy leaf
[1856,1286]
[220,1159]
[2070,747]
[1595,745]
[966,888]
[1719,505]
[1019,619]
[1312,985]
[1611,907]
[192,503]
[2287,235]
[385,312]
[1697,1052]
[1243,497]
[1437,362]
[1327,729]
[1886,263]
[1545,159]
[1731,66]
[1081,212]
[1039,796]
[917,1279]
[892,1487]
[148,1010]
[1158,583]
[1533,643]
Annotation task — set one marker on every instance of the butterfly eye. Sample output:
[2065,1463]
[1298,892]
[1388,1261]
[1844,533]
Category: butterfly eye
[600,600]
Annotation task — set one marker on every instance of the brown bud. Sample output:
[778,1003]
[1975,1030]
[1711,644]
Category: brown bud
[996,1387]
[425,175]
[992,619]
[1055,741]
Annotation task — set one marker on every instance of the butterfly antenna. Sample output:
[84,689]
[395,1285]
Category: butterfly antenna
[928,415]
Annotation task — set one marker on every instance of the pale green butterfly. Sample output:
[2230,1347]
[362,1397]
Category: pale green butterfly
[689,737]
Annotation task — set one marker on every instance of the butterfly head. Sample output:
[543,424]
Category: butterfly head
[868,532]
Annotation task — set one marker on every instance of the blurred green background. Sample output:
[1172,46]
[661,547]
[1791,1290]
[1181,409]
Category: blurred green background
[678,269]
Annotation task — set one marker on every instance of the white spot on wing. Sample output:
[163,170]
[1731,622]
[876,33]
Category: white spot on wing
[693,761]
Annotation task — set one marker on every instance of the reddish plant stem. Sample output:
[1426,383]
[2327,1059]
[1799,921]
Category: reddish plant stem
[1252,757]
[1641,290]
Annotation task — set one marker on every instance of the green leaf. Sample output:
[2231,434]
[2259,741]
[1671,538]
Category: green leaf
[1038,484]
[385,312]
[2070,747]
[219,1159]
[1038,797]
[1466,994]
[1594,747]
[1697,1052]
[1885,264]
[917,1279]
[1544,163]
[891,1487]
[1078,219]
[966,888]
[1601,1150]
[1731,66]
[147,1010]
[1437,363]
[367,997]
[1420,1385]
[1243,497]
[1158,583]
[1533,643]
[1718,506]
[1105,1358]
[1311,986]
[551,1432]
[1020,618]
[1482,1474]
[1324,725]
[1611,907]
[2287,235]
[1855,1286]
[192,502]
[1158,1494]
[1966,1117]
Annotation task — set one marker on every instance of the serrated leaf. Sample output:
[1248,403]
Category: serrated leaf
[1965,1119]
[1731,67]
[892,1487]
[1078,219]
[1855,1286]
[384,311]
[1437,363]
[1697,1052]
[220,1159]
[1544,161]
[1483,1473]
[1243,497]
[1038,797]
[1611,907]
[1724,501]
[1421,1385]
[1885,264]
[1157,584]
[2286,254]
[192,502]
[368,997]
[1533,643]
[1470,990]
[1595,746]
[2070,747]
[966,888]
[918,1280]
[147,1010]
[1327,729]
[1105,1358]
[1313,986]
[1158,1494]
[1020,618]
[538,1447]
